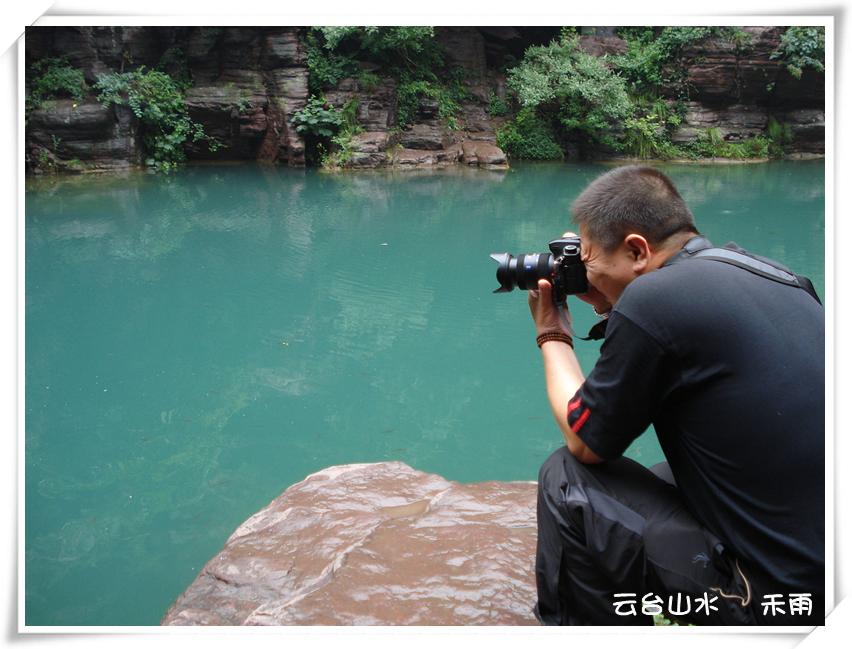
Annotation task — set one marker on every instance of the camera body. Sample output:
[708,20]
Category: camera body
[562,266]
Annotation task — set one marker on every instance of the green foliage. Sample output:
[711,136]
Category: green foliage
[44,161]
[648,133]
[341,149]
[529,137]
[173,62]
[403,41]
[318,118]
[241,97]
[645,137]
[158,103]
[800,48]
[410,54]
[711,144]
[496,106]
[369,81]
[780,136]
[325,67]
[576,89]
[652,54]
[448,95]
[54,78]
[333,54]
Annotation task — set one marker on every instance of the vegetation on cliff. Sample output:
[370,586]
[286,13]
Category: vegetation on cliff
[410,55]
[158,102]
[801,48]
[54,78]
[562,98]
[572,91]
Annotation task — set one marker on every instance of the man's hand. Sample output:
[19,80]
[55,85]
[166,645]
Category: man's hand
[544,313]
[594,297]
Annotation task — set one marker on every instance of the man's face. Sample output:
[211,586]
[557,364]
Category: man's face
[608,272]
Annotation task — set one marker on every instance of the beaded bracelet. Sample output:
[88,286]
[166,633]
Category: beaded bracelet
[554,335]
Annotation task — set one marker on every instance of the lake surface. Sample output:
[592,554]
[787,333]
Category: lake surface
[197,343]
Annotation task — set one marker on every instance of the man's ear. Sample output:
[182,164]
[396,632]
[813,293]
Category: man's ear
[639,251]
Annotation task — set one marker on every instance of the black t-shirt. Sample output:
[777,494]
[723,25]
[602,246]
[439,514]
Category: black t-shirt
[729,367]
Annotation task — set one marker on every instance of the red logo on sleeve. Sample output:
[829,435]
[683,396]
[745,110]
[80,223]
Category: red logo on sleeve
[573,405]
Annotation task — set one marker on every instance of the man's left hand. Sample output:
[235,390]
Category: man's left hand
[543,310]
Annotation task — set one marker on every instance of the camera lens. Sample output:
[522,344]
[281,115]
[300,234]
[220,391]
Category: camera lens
[522,271]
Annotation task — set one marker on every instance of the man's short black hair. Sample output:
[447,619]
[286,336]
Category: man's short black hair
[631,199]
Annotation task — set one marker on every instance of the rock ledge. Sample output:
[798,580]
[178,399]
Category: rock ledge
[374,544]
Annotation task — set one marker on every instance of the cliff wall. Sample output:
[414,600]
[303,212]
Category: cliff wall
[249,82]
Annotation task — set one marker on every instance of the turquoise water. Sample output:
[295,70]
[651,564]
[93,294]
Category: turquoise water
[197,343]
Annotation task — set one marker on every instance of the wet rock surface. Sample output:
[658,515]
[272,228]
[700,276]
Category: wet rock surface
[374,544]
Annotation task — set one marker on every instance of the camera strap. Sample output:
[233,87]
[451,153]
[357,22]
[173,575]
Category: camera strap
[595,333]
[700,248]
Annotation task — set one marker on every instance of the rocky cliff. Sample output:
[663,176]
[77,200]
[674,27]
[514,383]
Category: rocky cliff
[374,544]
[248,83]
[737,91]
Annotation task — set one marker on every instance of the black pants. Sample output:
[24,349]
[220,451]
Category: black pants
[609,530]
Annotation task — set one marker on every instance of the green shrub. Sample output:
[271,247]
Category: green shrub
[780,136]
[328,130]
[650,51]
[409,54]
[645,137]
[318,118]
[54,78]
[496,106]
[800,48]
[529,137]
[173,62]
[158,103]
[380,41]
[340,150]
[577,89]
[711,144]
[326,68]
[448,95]
[333,53]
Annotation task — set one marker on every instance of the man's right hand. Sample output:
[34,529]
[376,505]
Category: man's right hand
[594,297]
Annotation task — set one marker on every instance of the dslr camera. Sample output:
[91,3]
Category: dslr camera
[561,266]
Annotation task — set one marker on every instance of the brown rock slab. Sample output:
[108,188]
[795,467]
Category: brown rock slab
[425,135]
[87,135]
[374,544]
[483,154]
[736,122]
[602,45]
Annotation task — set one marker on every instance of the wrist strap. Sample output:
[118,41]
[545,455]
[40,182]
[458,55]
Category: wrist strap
[554,335]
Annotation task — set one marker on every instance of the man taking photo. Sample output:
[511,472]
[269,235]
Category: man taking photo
[723,352]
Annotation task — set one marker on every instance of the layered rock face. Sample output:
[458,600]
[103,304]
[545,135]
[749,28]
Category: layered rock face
[737,91]
[375,544]
[248,83]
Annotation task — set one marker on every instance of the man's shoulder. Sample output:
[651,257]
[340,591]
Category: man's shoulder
[675,283]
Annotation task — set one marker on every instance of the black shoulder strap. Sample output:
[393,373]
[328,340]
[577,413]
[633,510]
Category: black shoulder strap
[732,254]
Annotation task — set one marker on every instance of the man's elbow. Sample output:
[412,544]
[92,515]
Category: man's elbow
[583,453]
